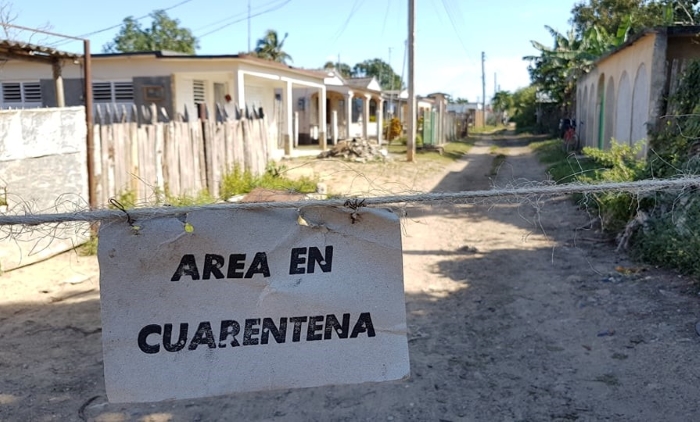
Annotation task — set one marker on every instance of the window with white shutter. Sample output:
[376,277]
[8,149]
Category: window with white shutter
[199,92]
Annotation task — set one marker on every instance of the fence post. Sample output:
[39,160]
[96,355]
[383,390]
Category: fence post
[334,127]
[296,129]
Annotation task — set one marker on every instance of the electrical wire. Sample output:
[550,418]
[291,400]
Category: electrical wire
[239,15]
[59,43]
[451,15]
[355,7]
[386,15]
[271,9]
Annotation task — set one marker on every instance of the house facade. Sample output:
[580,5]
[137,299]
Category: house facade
[357,104]
[183,86]
[622,97]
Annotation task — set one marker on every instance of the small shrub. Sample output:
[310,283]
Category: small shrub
[618,164]
[670,238]
[394,129]
[237,181]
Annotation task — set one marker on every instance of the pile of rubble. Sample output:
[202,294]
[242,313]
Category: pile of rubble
[358,150]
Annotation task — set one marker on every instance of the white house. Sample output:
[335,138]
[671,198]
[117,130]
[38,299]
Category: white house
[357,103]
[177,83]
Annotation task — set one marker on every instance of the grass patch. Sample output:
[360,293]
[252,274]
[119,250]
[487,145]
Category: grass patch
[455,150]
[498,160]
[451,151]
[486,130]
[88,248]
[238,181]
[561,166]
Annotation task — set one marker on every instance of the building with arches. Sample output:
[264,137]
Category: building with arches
[624,94]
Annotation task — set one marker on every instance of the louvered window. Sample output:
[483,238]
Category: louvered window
[199,92]
[102,92]
[32,92]
[123,91]
[113,92]
[12,92]
[21,94]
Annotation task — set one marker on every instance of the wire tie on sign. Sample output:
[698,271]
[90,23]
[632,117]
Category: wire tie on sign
[118,205]
[354,205]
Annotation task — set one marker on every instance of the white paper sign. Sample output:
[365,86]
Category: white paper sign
[220,302]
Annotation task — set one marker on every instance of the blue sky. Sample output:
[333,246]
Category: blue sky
[448,46]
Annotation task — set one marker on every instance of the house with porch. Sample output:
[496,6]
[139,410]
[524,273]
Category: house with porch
[183,86]
[625,93]
[357,103]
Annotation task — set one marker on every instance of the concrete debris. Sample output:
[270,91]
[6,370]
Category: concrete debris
[357,150]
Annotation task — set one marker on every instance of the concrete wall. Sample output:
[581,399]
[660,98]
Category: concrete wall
[43,168]
[616,99]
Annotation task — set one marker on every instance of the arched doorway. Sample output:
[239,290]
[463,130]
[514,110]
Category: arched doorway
[640,104]
[609,112]
[623,115]
[600,110]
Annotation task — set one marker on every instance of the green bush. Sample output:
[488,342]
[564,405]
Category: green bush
[669,238]
[238,181]
[618,164]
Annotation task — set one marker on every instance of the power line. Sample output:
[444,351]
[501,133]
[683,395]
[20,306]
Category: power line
[271,9]
[120,24]
[386,15]
[355,7]
[236,15]
[450,14]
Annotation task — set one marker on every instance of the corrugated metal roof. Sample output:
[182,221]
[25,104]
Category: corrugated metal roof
[36,51]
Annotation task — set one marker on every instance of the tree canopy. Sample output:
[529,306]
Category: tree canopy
[556,69]
[344,69]
[378,68]
[163,34]
[611,14]
[270,47]
[381,70]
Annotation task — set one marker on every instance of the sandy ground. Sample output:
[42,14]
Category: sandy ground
[515,314]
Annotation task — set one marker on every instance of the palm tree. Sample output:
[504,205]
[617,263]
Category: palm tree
[269,47]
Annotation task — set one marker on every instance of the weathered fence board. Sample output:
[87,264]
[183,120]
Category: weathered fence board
[175,158]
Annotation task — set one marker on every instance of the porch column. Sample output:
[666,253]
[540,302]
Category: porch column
[365,116]
[289,113]
[240,90]
[334,127]
[348,116]
[58,81]
[380,121]
[322,115]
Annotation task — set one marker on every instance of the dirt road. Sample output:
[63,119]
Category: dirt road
[515,314]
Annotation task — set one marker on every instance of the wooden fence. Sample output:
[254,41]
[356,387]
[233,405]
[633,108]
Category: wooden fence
[175,158]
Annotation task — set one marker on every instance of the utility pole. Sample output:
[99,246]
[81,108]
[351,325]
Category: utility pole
[412,120]
[495,83]
[249,47]
[483,85]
